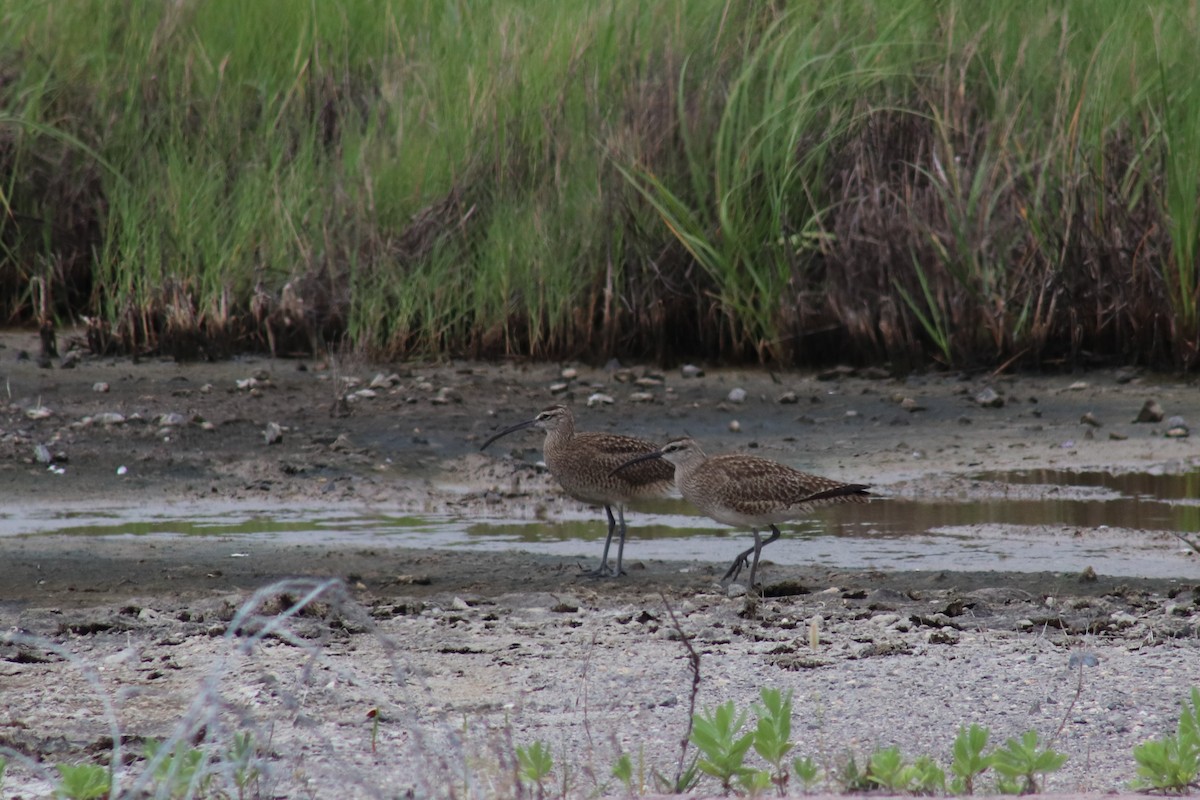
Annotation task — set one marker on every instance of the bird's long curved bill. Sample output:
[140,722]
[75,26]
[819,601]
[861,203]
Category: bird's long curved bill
[529,423]
[638,460]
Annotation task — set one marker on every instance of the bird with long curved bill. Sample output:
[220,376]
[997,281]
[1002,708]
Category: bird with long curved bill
[747,492]
[584,465]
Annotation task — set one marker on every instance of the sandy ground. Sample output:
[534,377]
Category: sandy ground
[375,673]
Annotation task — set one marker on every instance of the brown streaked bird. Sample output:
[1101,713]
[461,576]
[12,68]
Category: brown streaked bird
[584,463]
[748,492]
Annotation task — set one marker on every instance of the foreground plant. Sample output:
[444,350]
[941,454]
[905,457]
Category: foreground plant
[773,734]
[807,771]
[178,769]
[969,760]
[534,764]
[83,781]
[1020,762]
[722,749]
[1171,764]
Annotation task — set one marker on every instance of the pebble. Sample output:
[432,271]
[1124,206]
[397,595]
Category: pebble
[1177,428]
[691,371]
[988,398]
[735,426]
[648,381]
[736,395]
[910,404]
[1090,419]
[1151,412]
[171,420]
[599,399]
[788,399]
[41,412]
[273,433]
[100,387]
[559,388]
[41,454]
[641,397]
[569,374]
[381,381]
[109,418]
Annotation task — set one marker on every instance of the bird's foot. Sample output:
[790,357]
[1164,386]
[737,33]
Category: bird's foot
[602,571]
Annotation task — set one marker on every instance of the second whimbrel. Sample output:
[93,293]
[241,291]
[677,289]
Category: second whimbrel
[583,464]
[748,492]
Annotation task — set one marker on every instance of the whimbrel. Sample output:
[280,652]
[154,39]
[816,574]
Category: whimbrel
[748,492]
[583,464]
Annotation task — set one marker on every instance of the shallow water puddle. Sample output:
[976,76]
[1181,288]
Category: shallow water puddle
[1115,524]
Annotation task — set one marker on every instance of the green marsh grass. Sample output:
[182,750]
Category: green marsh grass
[967,183]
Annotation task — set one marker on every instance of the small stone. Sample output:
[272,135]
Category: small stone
[206,388]
[988,398]
[381,381]
[835,373]
[599,399]
[569,374]
[363,394]
[109,418]
[171,420]
[559,388]
[273,433]
[446,395]
[41,454]
[909,404]
[735,426]
[788,399]
[641,397]
[1151,412]
[691,371]
[101,387]
[1090,419]
[1117,437]
[1077,386]
[648,382]
[1088,575]
[41,412]
[1177,429]
[737,395]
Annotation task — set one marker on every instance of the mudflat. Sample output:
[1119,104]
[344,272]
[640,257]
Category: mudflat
[363,670]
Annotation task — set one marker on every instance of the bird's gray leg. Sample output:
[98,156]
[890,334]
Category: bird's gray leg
[735,568]
[620,542]
[602,571]
[759,544]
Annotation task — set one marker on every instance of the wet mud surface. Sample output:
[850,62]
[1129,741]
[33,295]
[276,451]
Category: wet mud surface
[420,669]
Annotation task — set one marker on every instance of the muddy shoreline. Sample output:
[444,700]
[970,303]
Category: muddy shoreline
[516,642]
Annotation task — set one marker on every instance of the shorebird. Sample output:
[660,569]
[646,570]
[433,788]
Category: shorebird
[584,463]
[748,492]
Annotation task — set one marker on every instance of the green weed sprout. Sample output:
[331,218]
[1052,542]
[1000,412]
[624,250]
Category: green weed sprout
[534,764]
[773,734]
[83,781]
[1172,763]
[722,750]
[242,754]
[623,771]
[1020,761]
[807,771]
[176,770]
[969,761]
[888,770]
[3,767]
[925,777]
